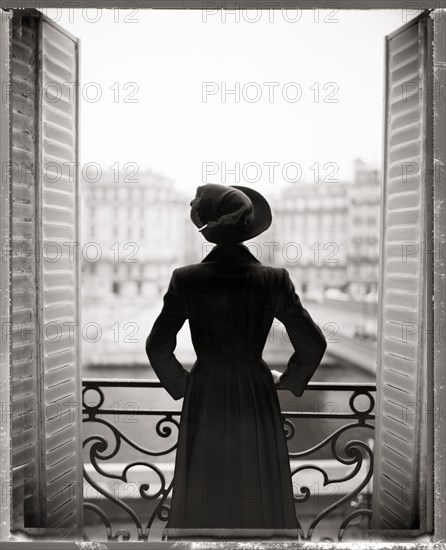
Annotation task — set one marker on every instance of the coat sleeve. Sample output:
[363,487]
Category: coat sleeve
[162,340]
[306,337]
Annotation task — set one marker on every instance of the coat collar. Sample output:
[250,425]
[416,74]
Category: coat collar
[230,253]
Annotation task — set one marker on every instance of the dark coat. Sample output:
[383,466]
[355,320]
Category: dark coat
[232,473]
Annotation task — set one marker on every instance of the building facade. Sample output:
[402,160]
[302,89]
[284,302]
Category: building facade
[327,235]
[310,234]
[133,235]
[363,231]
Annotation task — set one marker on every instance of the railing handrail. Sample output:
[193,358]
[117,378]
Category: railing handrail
[153,383]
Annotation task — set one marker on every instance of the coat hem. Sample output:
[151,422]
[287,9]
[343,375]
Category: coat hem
[173,532]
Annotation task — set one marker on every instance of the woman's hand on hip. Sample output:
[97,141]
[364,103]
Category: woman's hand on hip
[276,376]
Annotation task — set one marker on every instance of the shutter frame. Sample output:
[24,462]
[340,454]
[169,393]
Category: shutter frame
[439,388]
[406,486]
[5,284]
[26,508]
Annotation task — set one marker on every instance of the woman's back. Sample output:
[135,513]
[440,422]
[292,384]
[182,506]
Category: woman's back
[231,301]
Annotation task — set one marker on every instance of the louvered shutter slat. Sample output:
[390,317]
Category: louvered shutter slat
[60,279]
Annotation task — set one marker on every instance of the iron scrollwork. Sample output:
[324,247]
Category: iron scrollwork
[102,448]
[98,446]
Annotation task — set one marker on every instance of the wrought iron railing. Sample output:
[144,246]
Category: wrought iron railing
[104,441]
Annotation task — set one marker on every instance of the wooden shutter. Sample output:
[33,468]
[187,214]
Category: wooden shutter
[401,466]
[46,367]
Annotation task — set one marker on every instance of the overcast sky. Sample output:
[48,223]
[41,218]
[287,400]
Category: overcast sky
[323,103]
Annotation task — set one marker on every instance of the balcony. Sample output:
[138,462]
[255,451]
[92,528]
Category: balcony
[129,456]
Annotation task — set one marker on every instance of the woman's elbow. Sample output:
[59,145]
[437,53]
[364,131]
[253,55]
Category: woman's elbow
[320,345]
[158,350]
[151,349]
[323,346]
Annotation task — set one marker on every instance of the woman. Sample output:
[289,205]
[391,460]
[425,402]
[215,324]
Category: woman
[232,473]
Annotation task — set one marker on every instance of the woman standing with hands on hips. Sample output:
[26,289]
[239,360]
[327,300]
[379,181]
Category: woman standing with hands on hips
[232,473]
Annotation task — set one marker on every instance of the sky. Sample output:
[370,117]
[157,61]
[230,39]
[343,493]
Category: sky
[156,93]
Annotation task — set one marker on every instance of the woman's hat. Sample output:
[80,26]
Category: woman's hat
[227,214]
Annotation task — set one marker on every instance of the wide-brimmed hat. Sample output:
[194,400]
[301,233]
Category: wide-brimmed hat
[229,213]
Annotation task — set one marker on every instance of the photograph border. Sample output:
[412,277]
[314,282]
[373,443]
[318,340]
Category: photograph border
[439,276]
